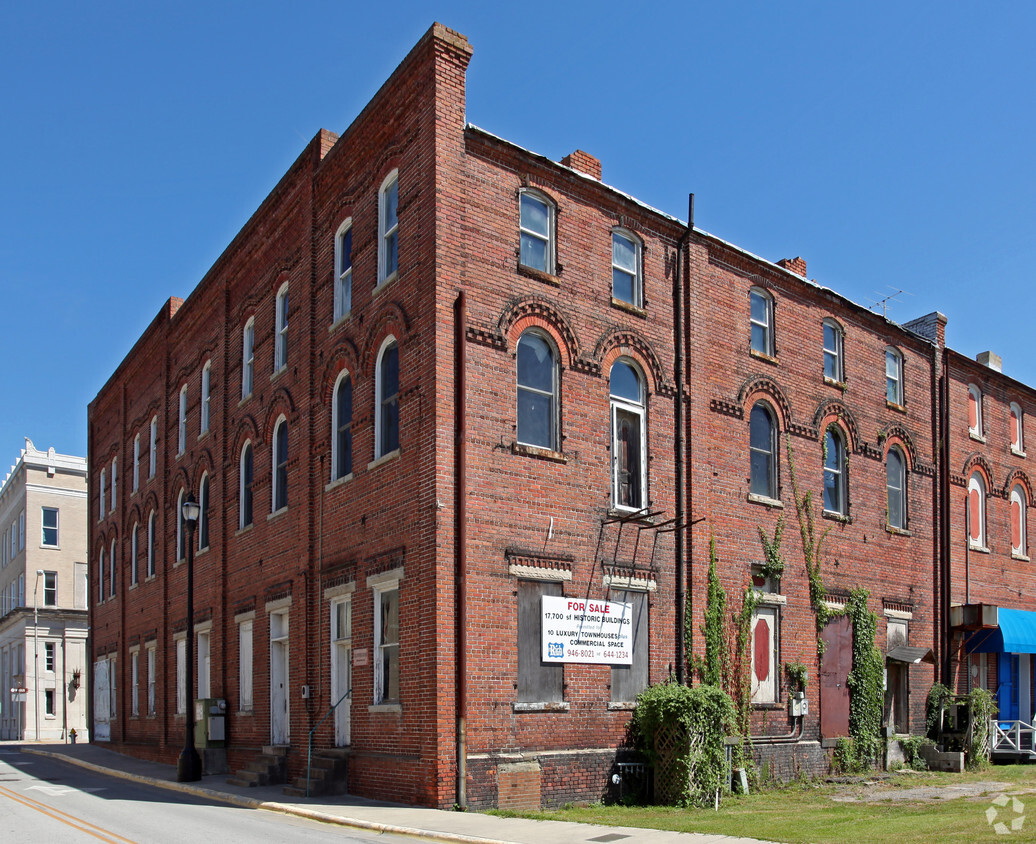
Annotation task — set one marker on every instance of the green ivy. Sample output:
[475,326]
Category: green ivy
[982,709]
[714,668]
[938,696]
[912,751]
[774,565]
[798,676]
[866,680]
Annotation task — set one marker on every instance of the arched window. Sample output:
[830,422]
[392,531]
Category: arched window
[181,439]
[977,511]
[203,515]
[1019,537]
[343,270]
[115,482]
[386,410]
[280,465]
[629,436]
[136,462]
[893,376]
[974,410]
[536,249]
[342,428]
[834,364]
[153,448]
[247,357]
[280,359]
[762,446]
[1017,429]
[179,526]
[537,392]
[151,544]
[388,228]
[134,549]
[835,481]
[112,569]
[246,477]
[895,485]
[102,497]
[206,396]
[101,568]
[761,319]
[626,273]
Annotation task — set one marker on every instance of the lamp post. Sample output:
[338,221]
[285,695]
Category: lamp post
[36,652]
[188,766]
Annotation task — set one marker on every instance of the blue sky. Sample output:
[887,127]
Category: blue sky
[889,144]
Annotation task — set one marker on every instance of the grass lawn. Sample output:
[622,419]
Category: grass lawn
[888,810]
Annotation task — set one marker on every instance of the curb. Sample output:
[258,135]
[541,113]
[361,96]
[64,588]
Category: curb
[281,808]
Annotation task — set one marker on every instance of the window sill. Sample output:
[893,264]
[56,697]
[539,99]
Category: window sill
[764,357]
[539,275]
[278,512]
[133,586]
[204,434]
[545,706]
[385,458]
[243,400]
[1023,557]
[767,705]
[765,500]
[981,549]
[834,382]
[771,599]
[895,531]
[178,563]
[337,482]
[629,307]
[244,713]
[837,517]
[150,577]
[626,512]
[201,552]
[385,282]
[386,708]
[244,529]
[279,371]
[50,547]
[898,408]
[1018,452]
[976,436]
[539,452]
[344,318]
[622,705]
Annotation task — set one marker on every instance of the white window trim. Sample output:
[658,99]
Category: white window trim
[638,273]
[136,462]
[57,528]
[151,649]
[343,293]
[379,450]
[897,356]
[153,453]
[101,501]
[115,484]
[975,482]
[1018,494]
[206,396]
[617,403]
[383,234]
[1018,443]
[342,376]
[180,649]
[179,528]
[768,327]
[248,358]
[280,357]
[241,524]
[378,584]
[275,505]
[181,429]
[976,429]
[134,654]
[551,260]
[134,550]
[837,352]
[152,529]
[555,433]
[842,470]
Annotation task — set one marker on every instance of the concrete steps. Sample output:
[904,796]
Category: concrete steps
[269,768]
[328,775]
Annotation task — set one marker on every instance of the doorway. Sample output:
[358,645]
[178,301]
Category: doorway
[279,678]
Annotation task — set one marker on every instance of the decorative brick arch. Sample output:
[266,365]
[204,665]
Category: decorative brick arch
[280,405]
[1019,478]
[895,434]
[180,479]
[392,319]
[345,356]
[247,429]
[760,387]
[833,410]
[616,343]
[979,462]
[529,312]
[202,464]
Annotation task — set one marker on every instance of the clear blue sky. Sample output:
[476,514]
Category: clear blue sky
[892,145]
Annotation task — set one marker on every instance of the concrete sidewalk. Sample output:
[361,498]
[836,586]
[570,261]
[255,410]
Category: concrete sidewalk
[349,810]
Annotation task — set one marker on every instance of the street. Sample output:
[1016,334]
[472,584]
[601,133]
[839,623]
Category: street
[43,799]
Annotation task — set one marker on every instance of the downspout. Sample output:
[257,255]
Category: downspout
[679,445]
[461,543]
[944,517]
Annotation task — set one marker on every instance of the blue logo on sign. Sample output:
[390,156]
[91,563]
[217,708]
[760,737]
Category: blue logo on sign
[555,650]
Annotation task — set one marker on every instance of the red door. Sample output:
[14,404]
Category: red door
[834,673]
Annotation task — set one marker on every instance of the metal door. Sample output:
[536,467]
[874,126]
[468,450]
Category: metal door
[835,665]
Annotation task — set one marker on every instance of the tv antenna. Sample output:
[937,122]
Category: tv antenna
[883,302]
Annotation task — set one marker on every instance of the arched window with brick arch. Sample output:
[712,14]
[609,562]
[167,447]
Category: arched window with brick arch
[386,399]
[977,511]
[836,480]
[537,378]
[896,488]
[246,478]
[342,427]
[1019,537]
[629,435]
[762,446]
[1017,429]
[279,497]
[974,410]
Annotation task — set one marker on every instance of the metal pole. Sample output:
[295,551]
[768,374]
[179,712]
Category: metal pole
[188,766]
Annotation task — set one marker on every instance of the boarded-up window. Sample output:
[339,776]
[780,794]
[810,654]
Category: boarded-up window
[538,682]
[181,676]
[764,655]
[244,660]
[629,680]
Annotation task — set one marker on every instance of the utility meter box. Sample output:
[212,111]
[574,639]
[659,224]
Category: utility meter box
[798,705]
[210,722]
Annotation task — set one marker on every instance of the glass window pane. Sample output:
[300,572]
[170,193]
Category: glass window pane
[627,444]
[535,215]
[624,253]
[346,252]
[760,309]
[535,412]
[391,205]
[625,383]
[535,363]
[534,252]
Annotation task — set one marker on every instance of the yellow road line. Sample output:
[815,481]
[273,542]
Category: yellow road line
[64,817]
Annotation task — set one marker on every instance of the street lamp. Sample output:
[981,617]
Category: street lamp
[36,652]
[188,766]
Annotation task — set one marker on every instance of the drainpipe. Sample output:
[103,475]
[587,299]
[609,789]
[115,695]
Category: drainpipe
[944,519]
[461,544]
[679,443]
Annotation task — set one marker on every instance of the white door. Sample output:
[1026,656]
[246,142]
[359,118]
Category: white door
[341,668]
[102,701]
[279,678]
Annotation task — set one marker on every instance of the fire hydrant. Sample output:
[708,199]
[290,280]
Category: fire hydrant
[72,735]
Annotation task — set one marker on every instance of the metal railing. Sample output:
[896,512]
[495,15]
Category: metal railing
[309,752]
[1011,737]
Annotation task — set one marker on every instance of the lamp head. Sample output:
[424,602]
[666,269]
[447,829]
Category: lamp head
[191,510]
[39,572]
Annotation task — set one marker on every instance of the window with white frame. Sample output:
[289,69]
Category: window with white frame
[280,465]
[21,531]
[343,270]
[764,654]
[181,439]
[153,448]
[627,285]
[280,360]
[244,662]
[536,249]
[181,674]
[388,228]
[102,498]
[834,368]
[136,462]
[835,481]
[762,446]
[1017,429]
[537,391]
[206,396]
[977,511]
[115,484]
[204,660]
[101,568]
[974,411]
[135,682]
[629,436]
[1019,539]
[50,588]
[203,515]
[134,548]
[112,570]
[179,526]
[895,486]
[246,476]
[49,656]
[894,376]
[386,426]
[247,357]
[151,677]
[151,544]
[342,428]
[761,321]
[385,590]
[49,522]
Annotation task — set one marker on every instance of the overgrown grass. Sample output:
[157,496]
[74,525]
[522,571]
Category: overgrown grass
[808,812]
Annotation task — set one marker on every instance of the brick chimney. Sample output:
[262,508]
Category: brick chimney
[584,163]
[795,265]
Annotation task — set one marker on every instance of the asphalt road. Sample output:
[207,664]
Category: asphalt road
[43,800]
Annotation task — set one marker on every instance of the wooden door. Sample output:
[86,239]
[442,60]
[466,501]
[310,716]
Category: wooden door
[834,674]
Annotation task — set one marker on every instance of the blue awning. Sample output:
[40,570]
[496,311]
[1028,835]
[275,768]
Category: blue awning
[1015,633]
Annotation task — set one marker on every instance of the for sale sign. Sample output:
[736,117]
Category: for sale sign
[587,630]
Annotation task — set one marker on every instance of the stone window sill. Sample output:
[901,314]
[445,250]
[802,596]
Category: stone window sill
[764,357]
[539,275]
[385,458]
[539,452]
[765,500]
[545,706]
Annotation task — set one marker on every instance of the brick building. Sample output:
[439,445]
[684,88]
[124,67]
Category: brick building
[439,387]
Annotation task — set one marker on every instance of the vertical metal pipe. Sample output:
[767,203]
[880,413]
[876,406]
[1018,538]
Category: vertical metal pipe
[461,544]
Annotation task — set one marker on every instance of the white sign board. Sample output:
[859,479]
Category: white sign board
[587,630]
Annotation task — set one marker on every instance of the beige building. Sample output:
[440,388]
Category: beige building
[43,612]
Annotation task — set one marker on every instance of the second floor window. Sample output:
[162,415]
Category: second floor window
[537,227]
[206,396]
[280,465]
[244,501]
[977,511]
[835,481]
[537,392]
[343,271]
[762,435]
[893,377]
[181,441]
[388,228]
[1019,540]
[153,448]
[342,424]
[49,516]
[761,319]
[833,364]
[629,437]
[895,471]
[387,398]
[247,358]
